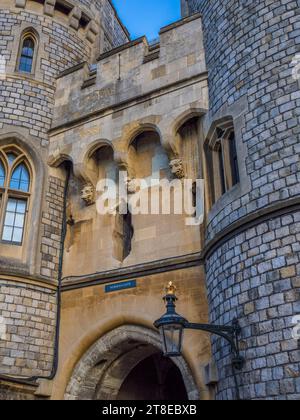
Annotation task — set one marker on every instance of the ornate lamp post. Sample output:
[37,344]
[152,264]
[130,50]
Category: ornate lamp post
[172,325]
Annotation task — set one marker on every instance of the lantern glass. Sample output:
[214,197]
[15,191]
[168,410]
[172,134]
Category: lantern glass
[172,335]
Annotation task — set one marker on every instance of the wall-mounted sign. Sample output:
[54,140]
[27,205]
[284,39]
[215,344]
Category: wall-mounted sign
[120,286]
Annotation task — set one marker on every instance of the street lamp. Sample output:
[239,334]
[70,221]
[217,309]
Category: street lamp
[171,327]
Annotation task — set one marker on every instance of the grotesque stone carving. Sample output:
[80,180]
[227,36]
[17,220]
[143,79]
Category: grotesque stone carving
[88,194]
[177,168]
[132,185]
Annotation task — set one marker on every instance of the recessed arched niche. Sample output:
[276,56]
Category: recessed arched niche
[188,138]
[106,167]
[150,158]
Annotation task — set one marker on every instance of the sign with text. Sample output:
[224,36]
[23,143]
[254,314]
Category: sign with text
[116,287]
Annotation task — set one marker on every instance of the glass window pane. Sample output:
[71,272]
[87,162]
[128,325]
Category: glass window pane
[12,205]
[14,221]
[7,234]
[9,219]
[11,157]
[21,206]
[222,170]
[20,179]
[17,235]
[27,54]
[19,220]
[2,174]
[234,160]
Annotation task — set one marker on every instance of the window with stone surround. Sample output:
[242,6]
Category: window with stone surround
[15,185]
[27,52]
[222,160]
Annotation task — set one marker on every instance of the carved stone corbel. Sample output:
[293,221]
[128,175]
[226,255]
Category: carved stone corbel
[132,185]
[177,168]
[88,194]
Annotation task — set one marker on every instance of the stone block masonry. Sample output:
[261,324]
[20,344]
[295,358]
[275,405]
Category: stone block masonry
[27,105]
[28,316]
[52,220]
[254,275]
[26,101]
[254,64]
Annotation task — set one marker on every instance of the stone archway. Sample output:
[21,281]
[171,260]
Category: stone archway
[102,370]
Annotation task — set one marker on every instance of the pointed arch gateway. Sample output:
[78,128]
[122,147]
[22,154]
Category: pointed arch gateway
[110,369]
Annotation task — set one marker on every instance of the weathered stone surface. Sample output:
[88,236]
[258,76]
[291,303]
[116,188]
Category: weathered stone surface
[250,48]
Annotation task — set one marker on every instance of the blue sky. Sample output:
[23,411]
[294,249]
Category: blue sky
[146,17]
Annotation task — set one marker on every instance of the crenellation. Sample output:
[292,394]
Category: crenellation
[125,72]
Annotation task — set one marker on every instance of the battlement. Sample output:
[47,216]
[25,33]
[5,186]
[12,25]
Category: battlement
[84,16]
[132,71]
[73,13]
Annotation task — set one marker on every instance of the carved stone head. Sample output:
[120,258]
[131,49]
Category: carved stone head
[177,168]
[132,185]
[88,194]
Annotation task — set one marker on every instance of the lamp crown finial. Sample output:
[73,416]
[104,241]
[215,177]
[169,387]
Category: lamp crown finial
[171,288]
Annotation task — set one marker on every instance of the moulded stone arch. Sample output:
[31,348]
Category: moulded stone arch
[93,147]
[170,125]
[185,116]
[126,154]
[30,31]
[81,169]
[27,146]
[94,376]
[56,159]
[134,129]
[223,123]
[138,128]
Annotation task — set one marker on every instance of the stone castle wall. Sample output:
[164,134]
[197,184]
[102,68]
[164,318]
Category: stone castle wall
[29,319]
[254,271]
[114,34]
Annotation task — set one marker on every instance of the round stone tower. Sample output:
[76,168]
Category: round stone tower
[252,245]
[38,41]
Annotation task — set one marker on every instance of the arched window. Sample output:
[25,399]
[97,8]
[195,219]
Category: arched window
[15,183]
[27,52]
[20,179]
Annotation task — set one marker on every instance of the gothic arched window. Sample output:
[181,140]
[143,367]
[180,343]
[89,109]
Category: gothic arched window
[27,52]
[20,179]
[15,183]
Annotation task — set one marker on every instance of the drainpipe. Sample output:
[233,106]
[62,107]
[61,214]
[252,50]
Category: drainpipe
[31,380]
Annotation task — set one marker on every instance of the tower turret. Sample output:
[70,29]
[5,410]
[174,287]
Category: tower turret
[252,257]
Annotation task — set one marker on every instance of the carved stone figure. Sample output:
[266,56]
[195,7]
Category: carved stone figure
[132,185]
[88,194]
[177,168]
